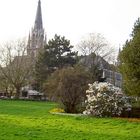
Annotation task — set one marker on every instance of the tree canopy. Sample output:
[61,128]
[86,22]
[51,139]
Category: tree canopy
[130,62]
[55,55]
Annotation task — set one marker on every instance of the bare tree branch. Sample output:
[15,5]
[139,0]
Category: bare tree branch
[15,64]
[97,44]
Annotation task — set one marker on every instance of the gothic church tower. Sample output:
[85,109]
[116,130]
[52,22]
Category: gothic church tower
[37,38]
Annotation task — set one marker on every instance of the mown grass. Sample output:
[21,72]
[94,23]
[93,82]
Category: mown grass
[28,120]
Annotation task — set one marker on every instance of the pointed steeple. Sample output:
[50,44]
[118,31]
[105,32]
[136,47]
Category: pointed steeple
[119,50]
[38,20]
[36,39]
[118,57]
[29,39]
[45,40]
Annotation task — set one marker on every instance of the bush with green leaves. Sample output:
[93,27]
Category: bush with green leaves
[103,99]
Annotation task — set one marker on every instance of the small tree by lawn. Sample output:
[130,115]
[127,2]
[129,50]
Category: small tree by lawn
[68,86]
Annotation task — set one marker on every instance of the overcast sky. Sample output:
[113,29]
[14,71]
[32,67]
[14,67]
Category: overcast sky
[71,18]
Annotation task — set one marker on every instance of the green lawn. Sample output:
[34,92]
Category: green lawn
[28,120]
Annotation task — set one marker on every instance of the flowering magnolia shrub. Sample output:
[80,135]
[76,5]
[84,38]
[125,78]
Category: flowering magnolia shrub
[104,99]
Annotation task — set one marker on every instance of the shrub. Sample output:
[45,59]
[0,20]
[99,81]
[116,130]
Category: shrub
[68,86]
[103,99]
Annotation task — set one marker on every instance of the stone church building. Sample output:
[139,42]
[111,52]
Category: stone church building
[36,41]
[37,36]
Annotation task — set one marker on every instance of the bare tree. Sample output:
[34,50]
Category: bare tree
[96,51]
[15,64]
[97,44]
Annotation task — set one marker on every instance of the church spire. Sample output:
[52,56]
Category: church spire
[36,39]
[38,20]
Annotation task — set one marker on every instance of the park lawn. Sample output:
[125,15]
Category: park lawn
[31,120]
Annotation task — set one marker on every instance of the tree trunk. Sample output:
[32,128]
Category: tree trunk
[17,93]
[71,108]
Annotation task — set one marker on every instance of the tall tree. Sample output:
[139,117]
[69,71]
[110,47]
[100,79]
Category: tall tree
[95,50]
[55,55]
[130,62]
[15,65]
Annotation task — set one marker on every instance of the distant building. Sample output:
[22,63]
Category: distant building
[106,72]
[37,37]
[88,61]
[27,93]
[112,77]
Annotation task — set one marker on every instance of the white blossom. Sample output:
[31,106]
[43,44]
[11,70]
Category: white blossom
[103,99]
